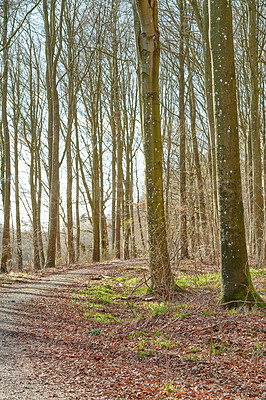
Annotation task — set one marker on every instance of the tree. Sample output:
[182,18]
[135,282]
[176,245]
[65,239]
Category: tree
[148,53]
[6,259]
[182,129]
[52,57]
[237,286]
[254,127]
[16,100]
[70,24]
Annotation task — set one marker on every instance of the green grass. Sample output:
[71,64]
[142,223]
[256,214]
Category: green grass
[104,318]
[146,343]
[100,293]
[258,272]
[127,293]
[168,387]
[208,280]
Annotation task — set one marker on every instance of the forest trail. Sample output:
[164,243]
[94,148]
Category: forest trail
[17,380]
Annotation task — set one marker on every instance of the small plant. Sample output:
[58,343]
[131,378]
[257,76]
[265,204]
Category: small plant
[95,332]
[233,312]
[206,313]
[195,349]
[194,357]
[259,349]
[141,354]
[258,272]
[104,318]
[168,387]
[180,315]
[158,309]
[163,343]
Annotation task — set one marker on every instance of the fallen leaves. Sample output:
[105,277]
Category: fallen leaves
[90,360]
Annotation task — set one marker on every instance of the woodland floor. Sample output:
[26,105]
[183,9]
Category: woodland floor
[91,333]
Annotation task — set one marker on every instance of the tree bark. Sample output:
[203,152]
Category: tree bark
[6,260]
[16,110]
[237,286]
[148,53]
[70,74]
[52,61]
[254,127]
[182,133]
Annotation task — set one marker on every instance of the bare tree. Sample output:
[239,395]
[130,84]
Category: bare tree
[237,286]
[148,52]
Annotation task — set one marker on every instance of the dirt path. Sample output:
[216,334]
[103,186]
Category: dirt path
[17,380]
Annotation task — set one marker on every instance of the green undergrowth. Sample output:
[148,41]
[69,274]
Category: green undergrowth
[123,296]
[208,280]
[192,326]
[14,277]
[147,343]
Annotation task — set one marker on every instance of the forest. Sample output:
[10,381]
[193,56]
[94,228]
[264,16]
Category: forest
[133,185]
[104,138]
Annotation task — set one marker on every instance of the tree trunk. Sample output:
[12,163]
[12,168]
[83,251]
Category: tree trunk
[148,52]
[52,61]
[200,184]
[119,182]
[182,133]
[77,183]
[96,192]
[237,286]
[203,25]
[16,111]
[70,57]
[254,127]
[104,233]
[6,260]
[39,227]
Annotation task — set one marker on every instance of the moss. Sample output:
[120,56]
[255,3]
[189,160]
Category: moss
[242,297]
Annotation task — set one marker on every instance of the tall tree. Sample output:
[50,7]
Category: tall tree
[52,58]
[70,18]
[16,94]
[254,126]
[237,286]
[148,56]
[6,259]
[182,133]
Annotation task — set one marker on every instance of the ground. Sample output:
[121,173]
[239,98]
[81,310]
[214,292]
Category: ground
[92,333]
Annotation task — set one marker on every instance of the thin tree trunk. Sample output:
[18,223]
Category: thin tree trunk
[96,192]
[200,184]
[254,126]
[70,56]
[16,109]
[6,260]
[119,182]
[148,53]
[77,183]
[139,216]
[182,133]
[39,226]
[52,62]
[104,233]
